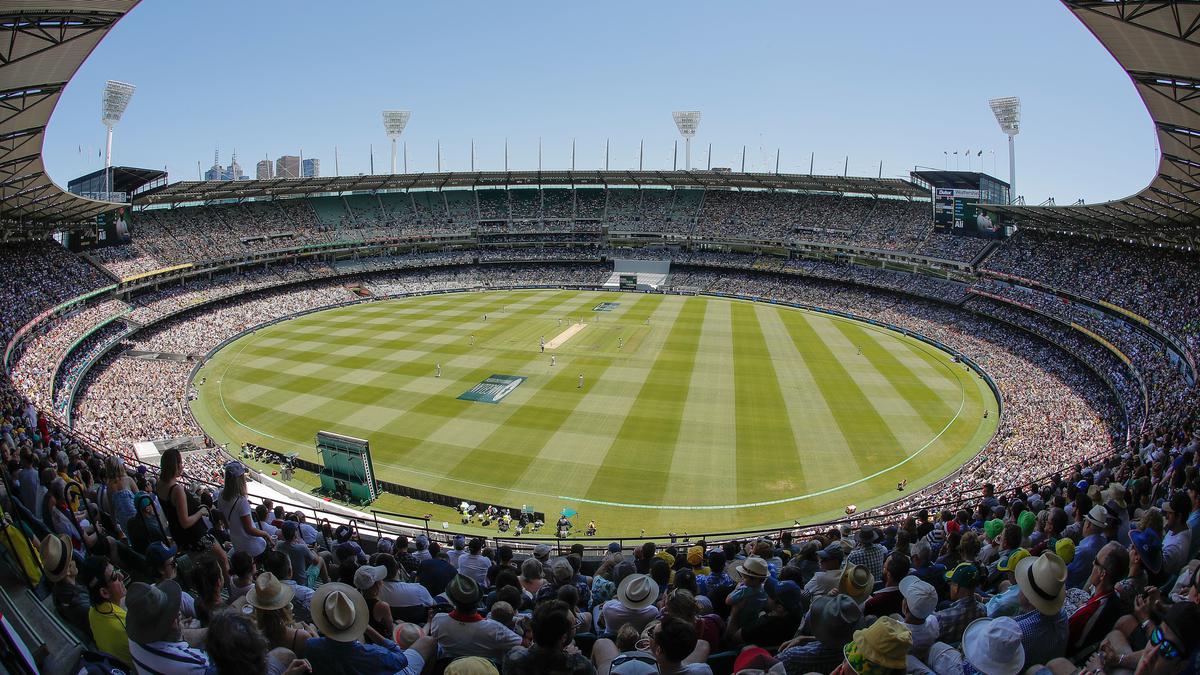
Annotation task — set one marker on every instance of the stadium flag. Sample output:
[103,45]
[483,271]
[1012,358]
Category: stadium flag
[955,153]
[979,154]
[967,151]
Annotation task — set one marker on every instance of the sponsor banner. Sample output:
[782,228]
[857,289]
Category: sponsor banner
[493,389]
[606,307]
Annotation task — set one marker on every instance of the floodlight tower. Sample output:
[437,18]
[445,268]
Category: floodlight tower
[1008,114]
[116,100]
[394,122]
[687,121]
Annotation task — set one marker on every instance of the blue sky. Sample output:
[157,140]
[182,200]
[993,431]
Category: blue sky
[897,83]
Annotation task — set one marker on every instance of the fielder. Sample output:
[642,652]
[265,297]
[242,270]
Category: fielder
[552,363]
[439,370]
[580,386]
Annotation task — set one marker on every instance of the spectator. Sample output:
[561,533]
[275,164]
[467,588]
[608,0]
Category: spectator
[868,552]
[634,604]
[887,600]
[106,590]
[831,622]
[881,648]
[1177,540]
[368,579]
[464,632]
[920,601]
[473,564]
[990,646]
[1041,581]
[155,627]
[553,649]
[1091,622]
[236,646]
[1094,524]
[340,613]
[272,603]
[71,599]
[436,572]
[280,565]
[963,608]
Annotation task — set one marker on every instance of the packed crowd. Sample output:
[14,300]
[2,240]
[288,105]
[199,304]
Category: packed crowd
[1092,569]
[1133,277]
[165,237]
[37,358]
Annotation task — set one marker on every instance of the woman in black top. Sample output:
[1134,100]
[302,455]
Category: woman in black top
[185,516]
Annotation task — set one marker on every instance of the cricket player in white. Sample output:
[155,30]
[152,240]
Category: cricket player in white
[439,370]
[580,381]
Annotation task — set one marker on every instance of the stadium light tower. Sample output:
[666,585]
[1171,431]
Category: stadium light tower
[687,121]
[1008,114]
[116,100]
[394,122]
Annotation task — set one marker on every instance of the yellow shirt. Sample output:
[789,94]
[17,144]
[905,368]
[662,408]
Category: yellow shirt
[108,629]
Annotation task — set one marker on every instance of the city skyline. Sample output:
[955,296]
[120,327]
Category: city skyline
[888,87]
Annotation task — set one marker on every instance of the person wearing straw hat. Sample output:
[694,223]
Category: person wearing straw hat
[880,649]
[70,598]
[749,599]
[155,628]
[1041,581]
[634,604]
[340,613]
[272,603]
[989,646]
[464,631]
[856,582]
[831,621]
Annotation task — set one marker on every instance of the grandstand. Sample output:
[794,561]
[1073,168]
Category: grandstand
[1084,326]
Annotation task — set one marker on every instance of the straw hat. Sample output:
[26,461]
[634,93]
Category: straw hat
[340,612]
[1042,581]
[754,567]
[637,591]
[56,557]
[268,593]
[857,582]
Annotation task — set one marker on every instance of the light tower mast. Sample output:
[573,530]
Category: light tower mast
[113,105]
[1008,114]
[687,121]
[394,122]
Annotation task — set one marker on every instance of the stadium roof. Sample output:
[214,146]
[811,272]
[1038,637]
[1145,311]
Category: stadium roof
[42,44]
[200,191]
[1158,45]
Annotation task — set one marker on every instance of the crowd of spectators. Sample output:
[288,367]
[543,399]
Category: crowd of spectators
[1135,278]
[1093,568]
[1070,542]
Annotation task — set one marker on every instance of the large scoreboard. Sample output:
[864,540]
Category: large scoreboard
[955,212]
[958,199]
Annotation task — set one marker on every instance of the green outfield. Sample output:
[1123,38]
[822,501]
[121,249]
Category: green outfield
[695,413]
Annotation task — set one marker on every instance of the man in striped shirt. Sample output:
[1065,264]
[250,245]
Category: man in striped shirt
[155,630]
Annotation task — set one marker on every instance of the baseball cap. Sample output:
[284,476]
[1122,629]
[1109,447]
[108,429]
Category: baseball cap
[158,553]
[965,574]
[368,575]
[614,547]
[833,551]
[920,595]
[1009,561]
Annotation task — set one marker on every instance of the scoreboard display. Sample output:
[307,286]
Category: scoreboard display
[955,212]
[628,282]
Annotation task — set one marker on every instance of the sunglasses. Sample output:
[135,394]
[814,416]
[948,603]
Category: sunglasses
[1169,650]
